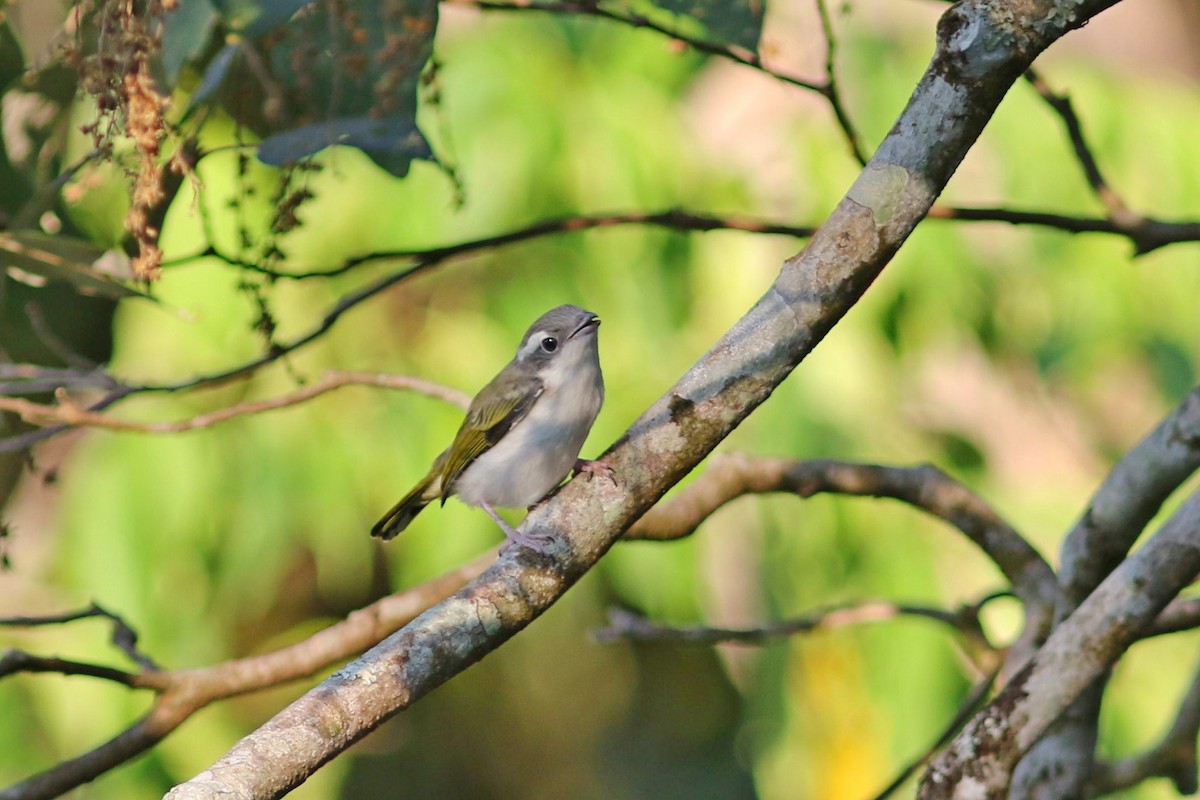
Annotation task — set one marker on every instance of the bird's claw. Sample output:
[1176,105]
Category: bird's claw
[590,468]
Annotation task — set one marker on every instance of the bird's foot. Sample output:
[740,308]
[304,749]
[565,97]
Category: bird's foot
[584,466]
[538,544]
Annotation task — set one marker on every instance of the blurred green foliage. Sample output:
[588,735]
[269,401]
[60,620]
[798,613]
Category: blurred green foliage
[1021,360]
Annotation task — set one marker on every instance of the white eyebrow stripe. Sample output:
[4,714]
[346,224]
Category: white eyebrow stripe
[533,342]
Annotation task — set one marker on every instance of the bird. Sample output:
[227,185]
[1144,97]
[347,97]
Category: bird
[523,431]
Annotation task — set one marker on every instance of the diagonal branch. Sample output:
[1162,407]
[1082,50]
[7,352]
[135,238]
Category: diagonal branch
[180,693]
[982,49]
[981,758]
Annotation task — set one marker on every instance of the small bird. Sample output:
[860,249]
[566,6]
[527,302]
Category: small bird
[524,429]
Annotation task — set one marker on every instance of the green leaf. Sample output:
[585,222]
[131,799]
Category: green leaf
[64,259]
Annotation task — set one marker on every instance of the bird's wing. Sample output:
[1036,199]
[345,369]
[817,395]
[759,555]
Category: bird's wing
[487,421]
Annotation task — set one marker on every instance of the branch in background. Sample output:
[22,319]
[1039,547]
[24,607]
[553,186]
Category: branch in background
[66,412]
[1174,756]
[980,760]
[1149,234]
[1146,234]
[181,693]
[124,637]
[671,219]
[1061,103]
[925,487]
[1182,614]
[623,624]
[1130,496]
[13,661]
[49,380]
[746,57]
[830,88]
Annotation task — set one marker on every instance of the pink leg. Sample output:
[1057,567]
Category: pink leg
[590,468]
[513,535]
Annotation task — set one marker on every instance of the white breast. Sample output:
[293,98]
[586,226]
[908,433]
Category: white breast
[539,451]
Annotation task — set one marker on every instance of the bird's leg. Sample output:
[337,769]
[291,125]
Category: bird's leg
[584,466]
[513,535]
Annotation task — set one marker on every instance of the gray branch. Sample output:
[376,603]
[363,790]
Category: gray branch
[979,761]
[983,47]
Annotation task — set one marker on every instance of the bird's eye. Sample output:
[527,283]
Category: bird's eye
[549,344]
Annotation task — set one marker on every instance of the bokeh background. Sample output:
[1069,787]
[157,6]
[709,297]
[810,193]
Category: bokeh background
[1023,361]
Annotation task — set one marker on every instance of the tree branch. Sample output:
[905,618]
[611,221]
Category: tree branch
[982,50]
[124,637]
[926,487]
[979,761]
[180,693]
[1125,502]
[623,624]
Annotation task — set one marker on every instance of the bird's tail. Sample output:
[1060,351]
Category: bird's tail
[396,520]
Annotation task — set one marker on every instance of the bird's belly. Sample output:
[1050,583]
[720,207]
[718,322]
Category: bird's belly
[530,460]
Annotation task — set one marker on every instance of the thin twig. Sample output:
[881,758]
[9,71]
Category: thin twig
[123,637]
[673,219]
[830,90]
[66,412]
[1062,106]
[735,53]
[624,624]
[14,661]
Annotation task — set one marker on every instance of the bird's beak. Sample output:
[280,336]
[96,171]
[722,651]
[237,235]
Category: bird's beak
[592,322]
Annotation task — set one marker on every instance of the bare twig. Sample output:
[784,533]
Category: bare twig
[1146,234]
[180,693]
[14,661]
[926,487]
[673,219]
[66,412]
[735,53]
[830,88]
[624,624]
[1061,104]
[124,637]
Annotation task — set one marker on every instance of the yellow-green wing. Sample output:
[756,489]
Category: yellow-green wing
[496,408]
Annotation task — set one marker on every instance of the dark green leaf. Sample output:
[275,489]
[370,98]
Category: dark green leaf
[391,143]
[188,30]
[724,22]
[214,75]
